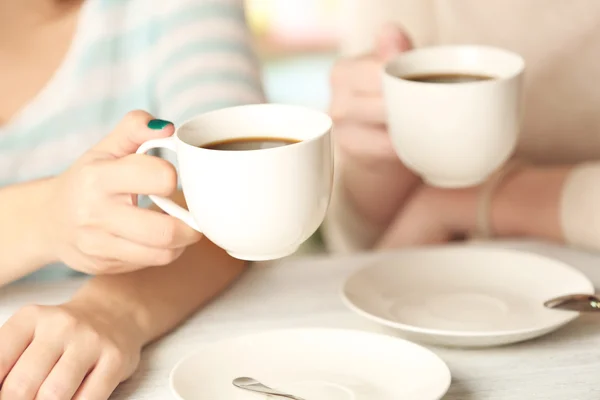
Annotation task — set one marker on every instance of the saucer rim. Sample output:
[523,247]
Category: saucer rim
[570,316]
[446,378]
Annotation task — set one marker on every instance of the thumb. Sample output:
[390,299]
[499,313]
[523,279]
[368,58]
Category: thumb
[391,41]
[134,129]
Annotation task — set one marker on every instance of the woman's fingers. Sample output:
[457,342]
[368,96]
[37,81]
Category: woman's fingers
[98,243]
[137,174]
[361,75]
[358,108]
[15,336]
[149,228]
[101,382]
[365,142]
[75,353]
[32,368]
[356,91]
[69,372]
[132,131]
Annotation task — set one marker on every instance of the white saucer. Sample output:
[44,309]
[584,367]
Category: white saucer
[318,364]
[465,296]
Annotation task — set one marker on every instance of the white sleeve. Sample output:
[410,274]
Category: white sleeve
[580,206]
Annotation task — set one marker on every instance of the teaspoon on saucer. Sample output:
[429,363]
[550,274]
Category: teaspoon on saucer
[575,302]
[255,386]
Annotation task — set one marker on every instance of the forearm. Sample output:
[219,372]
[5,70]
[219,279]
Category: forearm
[160,298]
[528,204]
[24,244]
[377,191]
[365,199]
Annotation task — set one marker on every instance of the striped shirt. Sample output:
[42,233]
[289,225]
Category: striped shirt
[172,58]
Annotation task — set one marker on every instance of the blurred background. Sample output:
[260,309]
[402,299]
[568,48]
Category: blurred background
[297,42]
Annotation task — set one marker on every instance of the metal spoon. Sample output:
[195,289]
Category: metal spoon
[255,386]
[575,302]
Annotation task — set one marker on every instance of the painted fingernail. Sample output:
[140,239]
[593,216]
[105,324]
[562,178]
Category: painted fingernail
[158,124]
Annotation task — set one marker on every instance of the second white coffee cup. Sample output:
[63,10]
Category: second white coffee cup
[454,134]
[255,204]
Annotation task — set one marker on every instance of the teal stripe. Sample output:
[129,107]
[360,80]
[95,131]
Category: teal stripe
[75,120]
[214,46]
[115,49]
[220,77]
[201,12]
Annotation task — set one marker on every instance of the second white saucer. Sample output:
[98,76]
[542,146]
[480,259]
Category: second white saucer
[465,296]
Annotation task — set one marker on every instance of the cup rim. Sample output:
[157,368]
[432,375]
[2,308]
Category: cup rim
[325,116]
[517,58]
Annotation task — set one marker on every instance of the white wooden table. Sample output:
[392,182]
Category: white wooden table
[304,292]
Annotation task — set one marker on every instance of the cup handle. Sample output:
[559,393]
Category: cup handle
[168,205]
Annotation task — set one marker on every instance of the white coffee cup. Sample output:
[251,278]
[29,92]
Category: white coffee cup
[255,204]
[454,134]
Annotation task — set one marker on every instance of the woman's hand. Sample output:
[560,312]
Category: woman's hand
[527,203]
[77,350]
[94,222]
[357,103]
[376,181]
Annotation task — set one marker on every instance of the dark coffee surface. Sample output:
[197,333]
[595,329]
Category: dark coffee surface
[447,78]
[250,143]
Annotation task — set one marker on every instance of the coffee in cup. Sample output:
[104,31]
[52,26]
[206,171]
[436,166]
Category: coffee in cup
[446,78]
[249,143]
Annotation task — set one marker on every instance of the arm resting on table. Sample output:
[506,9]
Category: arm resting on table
[554,203]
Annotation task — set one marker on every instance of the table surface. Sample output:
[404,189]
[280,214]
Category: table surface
[305,293]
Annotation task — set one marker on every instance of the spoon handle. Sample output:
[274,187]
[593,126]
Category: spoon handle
[575,302]
[257,387]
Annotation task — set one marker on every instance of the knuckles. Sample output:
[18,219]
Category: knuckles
[59,320]
[31,311]
[89,177]
[114,355]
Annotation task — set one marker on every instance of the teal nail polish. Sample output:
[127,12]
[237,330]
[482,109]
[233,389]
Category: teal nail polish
[158,124]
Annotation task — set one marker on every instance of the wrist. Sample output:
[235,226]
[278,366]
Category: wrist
[527,203]
[127,317]
[455,209]
[377,190]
